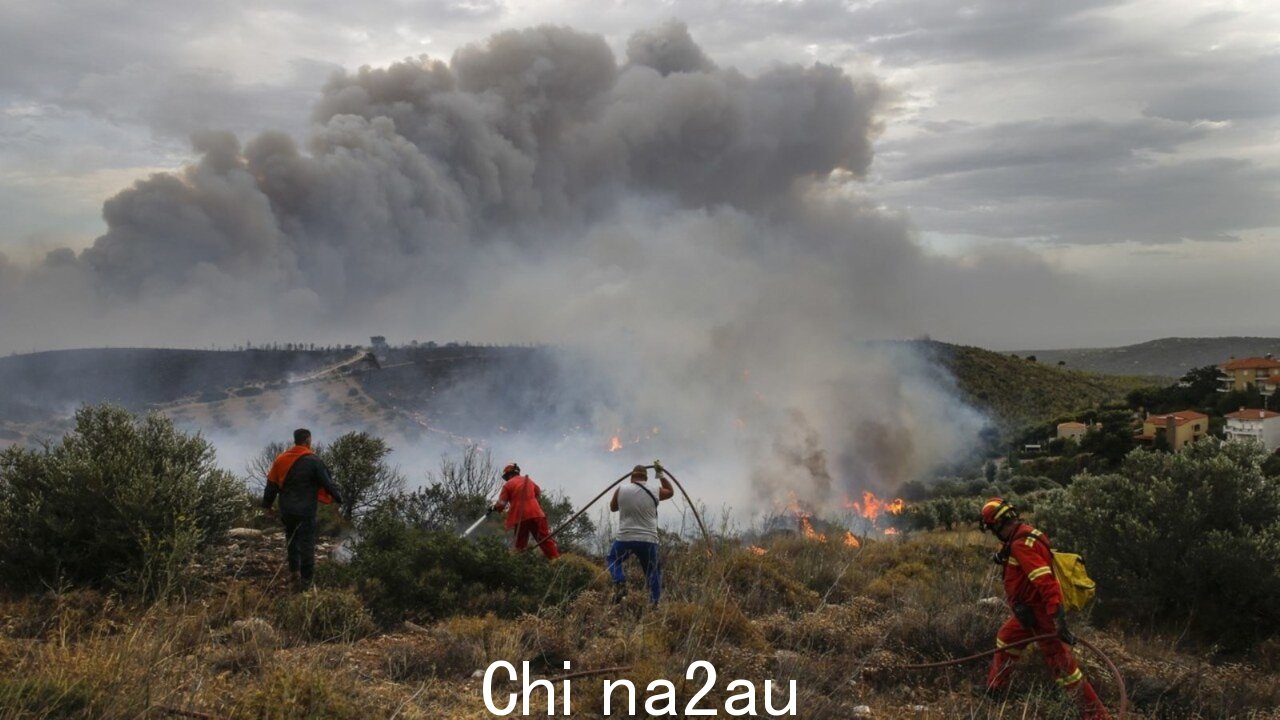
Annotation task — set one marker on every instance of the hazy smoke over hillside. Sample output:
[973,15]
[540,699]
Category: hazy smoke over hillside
[691,233]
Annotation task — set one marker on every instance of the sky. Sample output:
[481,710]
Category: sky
[1038,174]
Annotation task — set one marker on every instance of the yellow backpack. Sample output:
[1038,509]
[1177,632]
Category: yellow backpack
[1077,587]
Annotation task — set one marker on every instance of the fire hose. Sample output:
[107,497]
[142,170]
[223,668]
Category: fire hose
[1115,672]
[701,525]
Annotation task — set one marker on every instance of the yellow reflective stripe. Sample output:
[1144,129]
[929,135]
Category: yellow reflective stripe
[1039,572]
[1072,679]
[1030,541]
[1000,645]
[1012,561]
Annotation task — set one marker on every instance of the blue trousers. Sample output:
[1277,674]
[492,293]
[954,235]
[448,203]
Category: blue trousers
[647,554]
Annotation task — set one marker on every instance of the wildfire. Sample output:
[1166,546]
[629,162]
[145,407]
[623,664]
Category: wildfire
[756,550]
[615,444]
[850,540]
[872,507]
[806,529]
[891,531]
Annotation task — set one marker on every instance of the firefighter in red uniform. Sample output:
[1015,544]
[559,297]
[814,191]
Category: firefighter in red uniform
[519,497]
[1036,599]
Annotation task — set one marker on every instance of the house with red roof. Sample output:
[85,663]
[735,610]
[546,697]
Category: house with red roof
[1240,374]
[1177,428]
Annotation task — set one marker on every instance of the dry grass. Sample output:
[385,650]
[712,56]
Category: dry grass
[822,615]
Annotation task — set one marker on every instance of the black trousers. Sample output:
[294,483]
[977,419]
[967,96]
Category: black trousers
[300,533]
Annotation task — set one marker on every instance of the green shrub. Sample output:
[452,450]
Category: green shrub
[406,571]
[121,501]
[324,615]
[358,463]
[1190,538]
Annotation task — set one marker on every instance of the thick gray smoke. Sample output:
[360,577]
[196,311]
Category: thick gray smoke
[691,234]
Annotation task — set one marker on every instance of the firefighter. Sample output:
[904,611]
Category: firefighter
[300,479]
[1036,600]
[519,497]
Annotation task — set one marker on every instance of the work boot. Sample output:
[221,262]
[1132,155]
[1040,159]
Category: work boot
[619,592]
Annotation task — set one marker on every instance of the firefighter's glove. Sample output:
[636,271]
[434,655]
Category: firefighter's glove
[1026,616]
[1064,632]
[998,558]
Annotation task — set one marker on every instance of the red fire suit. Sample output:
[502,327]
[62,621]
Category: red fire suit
[525,514]
[1029,581]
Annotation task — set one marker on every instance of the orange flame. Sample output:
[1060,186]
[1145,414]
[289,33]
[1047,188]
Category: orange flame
[756,550]
[891,531]
[850,540]
[615,444]
[872,507]
[806,529]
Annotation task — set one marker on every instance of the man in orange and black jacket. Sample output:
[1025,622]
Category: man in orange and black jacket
[1036,600]
[300,479]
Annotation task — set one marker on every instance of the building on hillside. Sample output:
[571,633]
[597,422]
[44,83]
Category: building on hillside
[1241,374]
[1261,426]
[1072,431]
[1178,428]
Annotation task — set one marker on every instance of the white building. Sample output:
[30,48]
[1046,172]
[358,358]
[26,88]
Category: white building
[1260,425]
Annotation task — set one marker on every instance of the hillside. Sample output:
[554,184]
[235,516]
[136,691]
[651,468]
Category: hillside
[1019,392]
[1166,357]
[459,391]
[37,384]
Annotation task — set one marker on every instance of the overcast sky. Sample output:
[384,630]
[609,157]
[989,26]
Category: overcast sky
[1096,172]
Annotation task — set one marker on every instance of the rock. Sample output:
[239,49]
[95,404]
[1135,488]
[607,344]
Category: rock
[477,674]
[862,711]
[990,601]
[254,630]
[244,533]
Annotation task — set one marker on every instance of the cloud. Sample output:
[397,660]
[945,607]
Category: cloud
[1223,89]
[1088,181]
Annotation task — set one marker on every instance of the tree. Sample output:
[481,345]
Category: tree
[122,501]
[1189,538]
[358,463]
[259,465]
[1110,442]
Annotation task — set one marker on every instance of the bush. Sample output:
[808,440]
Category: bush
[358,463]
[1190,537]
[121,501]
[325,616]
[302,694]
[406,571]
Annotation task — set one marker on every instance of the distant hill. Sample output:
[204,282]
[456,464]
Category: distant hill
[37,384]
[1019,392]
[461,391]
[1166,357]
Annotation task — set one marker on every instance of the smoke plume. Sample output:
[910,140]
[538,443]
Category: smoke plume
[692,238]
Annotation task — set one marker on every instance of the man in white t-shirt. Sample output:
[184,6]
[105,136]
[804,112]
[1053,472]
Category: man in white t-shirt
[637,508]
